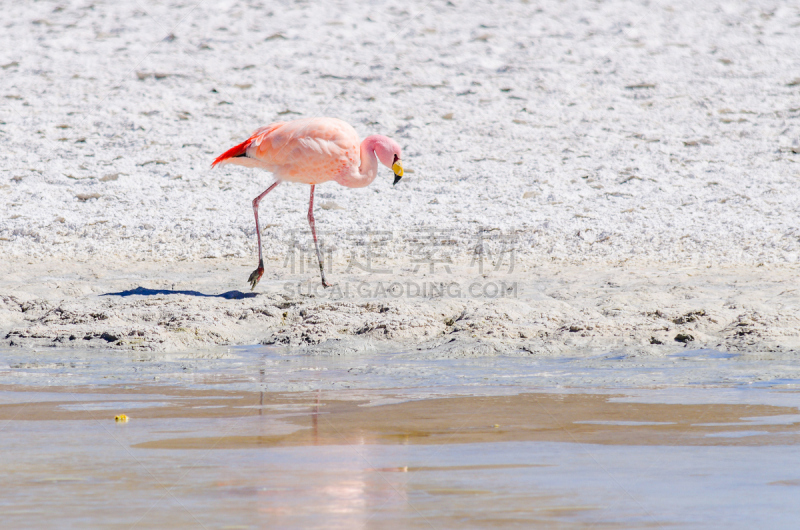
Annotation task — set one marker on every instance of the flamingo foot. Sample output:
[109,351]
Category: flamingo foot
[256,275]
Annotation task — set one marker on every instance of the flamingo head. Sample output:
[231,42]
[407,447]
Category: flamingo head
[388,152]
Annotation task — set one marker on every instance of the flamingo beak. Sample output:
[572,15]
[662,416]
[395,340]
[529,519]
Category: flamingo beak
[398,171]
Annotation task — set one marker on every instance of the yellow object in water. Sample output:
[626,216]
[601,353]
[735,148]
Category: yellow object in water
[121,418]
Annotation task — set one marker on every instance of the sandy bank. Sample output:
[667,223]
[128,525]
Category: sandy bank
[538,310]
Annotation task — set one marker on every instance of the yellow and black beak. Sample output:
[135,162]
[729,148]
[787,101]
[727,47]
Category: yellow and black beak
[397,167]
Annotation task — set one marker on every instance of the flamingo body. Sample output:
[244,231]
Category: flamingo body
[312,151]
[309,151]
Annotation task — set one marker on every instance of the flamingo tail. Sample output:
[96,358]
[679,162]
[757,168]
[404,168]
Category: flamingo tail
[233,152]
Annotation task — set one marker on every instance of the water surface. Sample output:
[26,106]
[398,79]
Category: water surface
[256,438]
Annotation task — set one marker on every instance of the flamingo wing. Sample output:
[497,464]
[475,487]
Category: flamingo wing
[311,150]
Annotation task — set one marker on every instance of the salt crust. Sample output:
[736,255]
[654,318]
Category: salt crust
[658,140]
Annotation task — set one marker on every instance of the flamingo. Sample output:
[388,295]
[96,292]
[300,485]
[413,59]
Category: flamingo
[312,151]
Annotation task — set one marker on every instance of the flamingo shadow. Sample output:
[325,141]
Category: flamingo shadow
[143,291]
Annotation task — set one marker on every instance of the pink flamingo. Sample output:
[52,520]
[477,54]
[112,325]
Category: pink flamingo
[312,151]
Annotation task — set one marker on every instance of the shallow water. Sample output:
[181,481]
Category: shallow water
[389,441]
[414,373]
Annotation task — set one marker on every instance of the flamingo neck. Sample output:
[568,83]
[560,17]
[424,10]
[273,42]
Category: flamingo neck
[366,173]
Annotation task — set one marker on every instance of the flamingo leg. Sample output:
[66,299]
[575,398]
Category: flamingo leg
[256,275]
[314,234]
